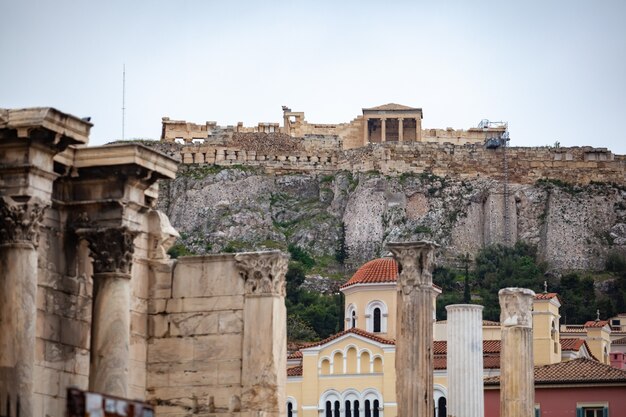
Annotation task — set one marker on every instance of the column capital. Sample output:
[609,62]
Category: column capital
[263,272]
[516,307]
[415,264]
[111,248]
[20,221]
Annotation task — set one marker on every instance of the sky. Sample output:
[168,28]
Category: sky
[554,70]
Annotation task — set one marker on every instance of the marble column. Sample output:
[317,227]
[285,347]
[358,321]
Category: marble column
[264,358]
[465,360]
[383,127]
[400,129]
[366,131]
[19,237]
[112,252]
[414,339]
[517,379]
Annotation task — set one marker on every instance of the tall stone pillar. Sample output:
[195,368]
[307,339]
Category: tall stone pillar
[465,360]
[112,253]
[517,379]
[383,132]
[19,236]
[265,333]
[366,131]
[400,129]
[414,345]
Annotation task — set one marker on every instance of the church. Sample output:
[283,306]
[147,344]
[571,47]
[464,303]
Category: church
[353,373]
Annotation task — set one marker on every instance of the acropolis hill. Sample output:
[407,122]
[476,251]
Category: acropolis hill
[389,139]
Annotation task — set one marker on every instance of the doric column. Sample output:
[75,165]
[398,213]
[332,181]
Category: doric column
[517,380]
[265,334]
[414,358]
[112,252]
[19,237]
[366,131]
[400,129]
[465,360]
[383,132]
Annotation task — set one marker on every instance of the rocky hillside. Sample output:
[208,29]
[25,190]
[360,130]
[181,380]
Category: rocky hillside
[346,219]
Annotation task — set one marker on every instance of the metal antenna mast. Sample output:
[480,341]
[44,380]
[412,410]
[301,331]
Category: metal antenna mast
[123,98]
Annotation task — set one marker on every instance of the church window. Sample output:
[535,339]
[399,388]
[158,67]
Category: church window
[376,411]
[368,408]
[337,409]
[348,410]
[353,319]
[356,408]
[289,409]
[377,320]
[328,409]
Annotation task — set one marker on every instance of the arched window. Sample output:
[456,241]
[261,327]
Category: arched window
[337,409]
[378,364]
[376,410]
[289,409]
[376,317]
[325,367]
[292,407]
[350,317]
[351,361]
[348,411]
[338,363]
[368,408]
[356,408]
[441,407]
[364,362]
[377,320]
[328,409]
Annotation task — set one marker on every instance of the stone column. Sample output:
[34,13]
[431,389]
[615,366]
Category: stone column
[366,131]
[383,132]
[112,252]
[19,236]
[414,345]
[264,358]
[400,129]
[517,379]
[465,360]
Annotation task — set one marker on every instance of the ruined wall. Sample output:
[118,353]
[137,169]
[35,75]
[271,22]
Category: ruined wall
[213,322]
[580,165]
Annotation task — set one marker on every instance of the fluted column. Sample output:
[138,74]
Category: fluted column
[517,380]
[465,360]
[112,252]
[19,237]
[383,127]
[264,357]
[400,129]
[414,342]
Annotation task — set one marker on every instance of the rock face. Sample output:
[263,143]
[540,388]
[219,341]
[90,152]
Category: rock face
[236,208]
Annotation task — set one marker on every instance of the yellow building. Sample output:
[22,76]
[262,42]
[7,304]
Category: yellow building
[353,373]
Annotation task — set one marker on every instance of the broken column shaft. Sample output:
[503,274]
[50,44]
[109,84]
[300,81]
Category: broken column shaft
[414,345]
[517,382]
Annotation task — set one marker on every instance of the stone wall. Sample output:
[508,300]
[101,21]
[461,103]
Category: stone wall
[201,354]
[578,165]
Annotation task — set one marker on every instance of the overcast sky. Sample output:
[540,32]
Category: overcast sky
[555,70]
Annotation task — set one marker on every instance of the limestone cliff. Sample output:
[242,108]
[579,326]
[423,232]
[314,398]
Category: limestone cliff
[239,208]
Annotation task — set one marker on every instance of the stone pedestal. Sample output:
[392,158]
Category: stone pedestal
[112,252]
[517,382]
[465,360]
[19,224]
[265,333]
[414,342]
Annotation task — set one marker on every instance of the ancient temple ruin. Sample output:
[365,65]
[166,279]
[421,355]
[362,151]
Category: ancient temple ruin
[89,298]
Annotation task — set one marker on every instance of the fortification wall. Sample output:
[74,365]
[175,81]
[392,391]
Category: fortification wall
[579,165]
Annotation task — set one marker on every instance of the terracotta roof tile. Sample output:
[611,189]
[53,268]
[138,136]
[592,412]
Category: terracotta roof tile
[576,371]
[548,296]
[295,371]
[295,355]
[377,271]
[354,330]
[440,347]
[598,323]
[489,361]
[571,343]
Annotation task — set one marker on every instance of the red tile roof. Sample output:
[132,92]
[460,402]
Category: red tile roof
[490,361]
[571,343]
[485,322]
[596,323]
[354,330]
[440,347]
[382,270]
[295,355]
[576,371]
[295,371]
[548,296]
[376,271]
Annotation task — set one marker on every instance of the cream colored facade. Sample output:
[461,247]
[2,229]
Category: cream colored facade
[359,364]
